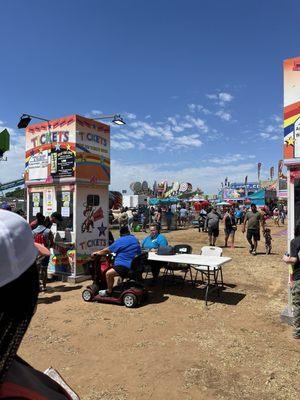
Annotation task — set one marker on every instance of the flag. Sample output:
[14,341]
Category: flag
[280,168]
[258,171]
[246,180]
[271,173]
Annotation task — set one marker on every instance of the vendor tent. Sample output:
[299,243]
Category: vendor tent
[156,201]
[258,198]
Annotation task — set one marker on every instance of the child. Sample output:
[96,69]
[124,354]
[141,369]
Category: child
[268,240]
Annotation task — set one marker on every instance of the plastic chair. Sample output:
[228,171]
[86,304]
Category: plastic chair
[210,273]
[171,268]
[211,251]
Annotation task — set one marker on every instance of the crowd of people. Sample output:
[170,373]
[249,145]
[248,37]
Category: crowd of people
[172,216]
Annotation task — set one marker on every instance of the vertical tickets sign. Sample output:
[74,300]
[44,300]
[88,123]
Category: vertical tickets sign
[292,108]
[92,151]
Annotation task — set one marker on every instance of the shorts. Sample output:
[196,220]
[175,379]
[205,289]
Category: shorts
[121,271]
[253,233]
[213,232]
[229,231]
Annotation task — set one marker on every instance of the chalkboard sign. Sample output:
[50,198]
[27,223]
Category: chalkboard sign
[62,163]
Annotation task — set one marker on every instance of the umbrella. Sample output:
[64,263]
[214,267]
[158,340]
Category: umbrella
[223,203]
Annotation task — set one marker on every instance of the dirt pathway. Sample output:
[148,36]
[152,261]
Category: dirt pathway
[174,347]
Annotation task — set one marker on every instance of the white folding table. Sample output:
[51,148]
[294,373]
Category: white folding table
[205,264]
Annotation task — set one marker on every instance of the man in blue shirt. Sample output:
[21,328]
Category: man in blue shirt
[125,248]
[152,243]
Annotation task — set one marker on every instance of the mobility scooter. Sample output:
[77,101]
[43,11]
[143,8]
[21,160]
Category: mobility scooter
[130,292]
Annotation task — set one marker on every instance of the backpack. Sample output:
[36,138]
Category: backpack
[42,239]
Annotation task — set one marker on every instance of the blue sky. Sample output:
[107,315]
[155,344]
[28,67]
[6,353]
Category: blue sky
[199,83]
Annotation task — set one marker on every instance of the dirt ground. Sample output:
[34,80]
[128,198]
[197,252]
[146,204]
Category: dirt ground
[174,347]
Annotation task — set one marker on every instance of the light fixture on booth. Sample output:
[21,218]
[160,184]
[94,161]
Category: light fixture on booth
[26,118]
[116,118]
[24,121]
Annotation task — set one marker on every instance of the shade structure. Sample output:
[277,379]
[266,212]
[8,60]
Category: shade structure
[223,203]
[156,201]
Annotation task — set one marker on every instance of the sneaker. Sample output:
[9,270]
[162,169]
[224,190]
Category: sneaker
[251,249]
[296,336]
[254,253]
[104,293]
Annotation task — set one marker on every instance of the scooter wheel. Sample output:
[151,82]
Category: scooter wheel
[87,295]
[130,300]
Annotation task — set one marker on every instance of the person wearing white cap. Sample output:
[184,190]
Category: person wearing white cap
[19,288]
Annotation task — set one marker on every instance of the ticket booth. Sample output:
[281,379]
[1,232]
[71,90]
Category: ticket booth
[68,171]
[292,150]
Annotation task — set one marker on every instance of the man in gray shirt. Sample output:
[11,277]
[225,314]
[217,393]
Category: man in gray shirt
[212,226]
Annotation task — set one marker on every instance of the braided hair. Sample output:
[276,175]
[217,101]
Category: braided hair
[18,301]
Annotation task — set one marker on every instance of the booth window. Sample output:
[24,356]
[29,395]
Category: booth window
[35,205]
[93,200]
[65,208]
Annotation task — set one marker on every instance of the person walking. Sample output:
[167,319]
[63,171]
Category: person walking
[229,227]
[212,225]
[254,218]
[293,259]
[43,235]
[183,213]
[169,216]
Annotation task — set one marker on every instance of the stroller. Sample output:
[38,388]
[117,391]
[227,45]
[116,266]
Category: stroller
[131,292]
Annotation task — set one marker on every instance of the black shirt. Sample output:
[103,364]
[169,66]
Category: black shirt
[295,248]
[230,222]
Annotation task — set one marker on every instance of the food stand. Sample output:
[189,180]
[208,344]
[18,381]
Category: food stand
[68,170]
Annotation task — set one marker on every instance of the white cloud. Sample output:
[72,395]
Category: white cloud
[276,118]
[187,141]
[198,107]
[148,116]
[269,136]
[129,115]
[96,112]
[230,158]
[197,122]
[221,97]
[120,136]
[226,97]
[225,115]
[125,145]
[270,128]
[275,137]
[264,135]
[192,107]
[212,96]
[13,168]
